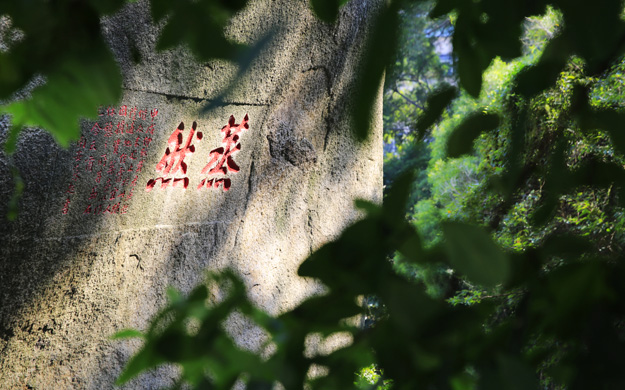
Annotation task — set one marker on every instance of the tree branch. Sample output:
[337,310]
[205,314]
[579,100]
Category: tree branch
[419,106]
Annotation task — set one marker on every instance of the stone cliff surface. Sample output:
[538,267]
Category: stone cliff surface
[105,226]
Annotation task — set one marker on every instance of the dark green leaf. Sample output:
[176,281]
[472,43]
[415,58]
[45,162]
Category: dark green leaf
[326,311]
[144,360]
[411,246]
[74,90]
[160,9]
[491,370]
[233,5]
[435,105]
[198,295]
[473,253]
[469,69]
[536,79]
[397,197]
[566,246]
[326,10]
[379,52]
[461,140]
[106,7]
[515,374]
[368,207]
[174,295]
[472,59]
[610,120]
[441,8]
[545,212]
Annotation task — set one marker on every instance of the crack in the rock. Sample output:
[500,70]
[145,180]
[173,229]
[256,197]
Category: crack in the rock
[222,103]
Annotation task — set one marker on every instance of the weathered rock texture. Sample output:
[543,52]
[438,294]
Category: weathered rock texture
[93,252]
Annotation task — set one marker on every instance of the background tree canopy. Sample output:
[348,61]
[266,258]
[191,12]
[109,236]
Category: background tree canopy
[495,261]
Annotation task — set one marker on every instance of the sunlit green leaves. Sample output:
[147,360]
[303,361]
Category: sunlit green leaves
[77,71]
[189,332]
[73,90]
[127,334]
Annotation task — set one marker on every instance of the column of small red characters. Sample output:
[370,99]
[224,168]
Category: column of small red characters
[108,179]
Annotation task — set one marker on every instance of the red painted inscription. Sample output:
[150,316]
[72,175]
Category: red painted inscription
[221,161]
[112,159]
[172,165]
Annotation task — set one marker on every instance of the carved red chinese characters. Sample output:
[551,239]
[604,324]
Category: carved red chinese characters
[221,160]
[172,165]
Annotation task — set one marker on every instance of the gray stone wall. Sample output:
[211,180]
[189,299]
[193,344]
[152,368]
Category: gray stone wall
[92,251]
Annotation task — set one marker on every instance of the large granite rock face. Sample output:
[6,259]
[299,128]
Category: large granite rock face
[93,250]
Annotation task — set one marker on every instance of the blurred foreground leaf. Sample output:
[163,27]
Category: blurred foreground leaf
[473,253]
[327,10]
[461,140]
[435,105]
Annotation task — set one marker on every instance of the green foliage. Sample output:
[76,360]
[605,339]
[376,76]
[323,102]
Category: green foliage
[415,74]
[459,185]
[349,267]
[371,378]
[63,61]
[190,333]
